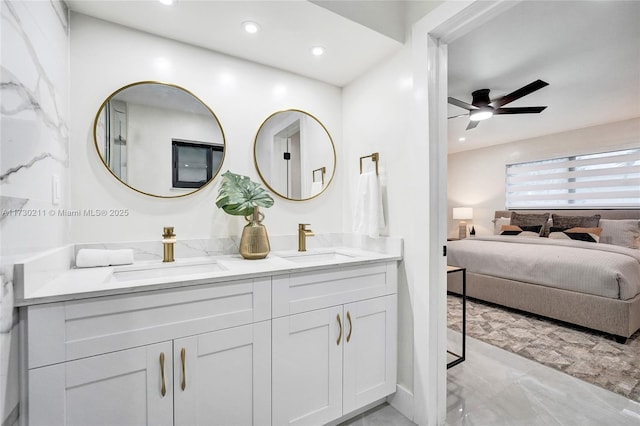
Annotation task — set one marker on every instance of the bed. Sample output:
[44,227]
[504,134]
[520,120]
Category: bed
[584,275]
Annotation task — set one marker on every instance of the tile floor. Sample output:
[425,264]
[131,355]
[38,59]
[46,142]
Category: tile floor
[493,387]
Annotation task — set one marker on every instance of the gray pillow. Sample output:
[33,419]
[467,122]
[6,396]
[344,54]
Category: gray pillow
[568,222]
[625,233]
[530,219]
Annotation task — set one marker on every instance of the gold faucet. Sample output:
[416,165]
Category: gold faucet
[303,233]
[168,240]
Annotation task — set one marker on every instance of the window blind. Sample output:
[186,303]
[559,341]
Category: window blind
[602,180]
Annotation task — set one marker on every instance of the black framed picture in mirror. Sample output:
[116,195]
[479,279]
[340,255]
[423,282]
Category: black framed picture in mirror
[159,139]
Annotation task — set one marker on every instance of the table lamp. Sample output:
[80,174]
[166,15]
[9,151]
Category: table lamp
[462,214]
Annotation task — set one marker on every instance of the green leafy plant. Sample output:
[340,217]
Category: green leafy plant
[238,195]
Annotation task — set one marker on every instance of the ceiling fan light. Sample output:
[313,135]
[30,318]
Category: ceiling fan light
[480,114]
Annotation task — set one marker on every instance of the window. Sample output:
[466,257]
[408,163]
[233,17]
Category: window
[603,180]
[194,163]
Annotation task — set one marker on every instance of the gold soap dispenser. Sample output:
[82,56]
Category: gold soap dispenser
[168,240]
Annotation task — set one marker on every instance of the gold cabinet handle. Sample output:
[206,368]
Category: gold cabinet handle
[163,388]
[339,325]
[350,326]
[183,355]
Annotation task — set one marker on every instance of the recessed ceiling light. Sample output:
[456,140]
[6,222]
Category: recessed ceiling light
[251,27]
[462,139]
[317,50]
[167,2]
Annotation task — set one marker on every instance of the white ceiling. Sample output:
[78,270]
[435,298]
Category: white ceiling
[289,29]
[588,52]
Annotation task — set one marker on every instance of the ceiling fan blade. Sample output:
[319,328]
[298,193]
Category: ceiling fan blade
[463,105]
[523,91]
[459,115]
[472,125]
[519,110]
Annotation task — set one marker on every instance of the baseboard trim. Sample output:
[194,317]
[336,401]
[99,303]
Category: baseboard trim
[402,401]
[356,413]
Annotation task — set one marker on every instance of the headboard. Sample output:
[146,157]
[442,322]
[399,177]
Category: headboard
[605,214]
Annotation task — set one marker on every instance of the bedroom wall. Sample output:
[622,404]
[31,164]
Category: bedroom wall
[476,177]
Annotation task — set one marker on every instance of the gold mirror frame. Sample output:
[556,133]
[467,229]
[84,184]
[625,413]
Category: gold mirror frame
[186,92]
[314,172]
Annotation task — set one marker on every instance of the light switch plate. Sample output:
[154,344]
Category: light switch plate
[55,189]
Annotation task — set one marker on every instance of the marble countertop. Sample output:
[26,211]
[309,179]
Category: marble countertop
[147,275]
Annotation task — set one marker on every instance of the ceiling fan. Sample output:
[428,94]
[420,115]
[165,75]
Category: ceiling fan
[482,107]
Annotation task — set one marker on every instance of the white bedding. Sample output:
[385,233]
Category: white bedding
[599,269]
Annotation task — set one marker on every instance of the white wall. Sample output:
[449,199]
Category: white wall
[149,144]
[317,153]
[476,177]
[105,57]
[35,145]
[269,150]
[392,110]
[377,112]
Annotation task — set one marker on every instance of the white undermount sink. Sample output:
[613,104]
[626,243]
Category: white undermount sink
[169,269]
[316,257]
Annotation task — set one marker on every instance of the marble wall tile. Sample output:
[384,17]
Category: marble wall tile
[34,147]
[34,79]
[9,383]
[153,250]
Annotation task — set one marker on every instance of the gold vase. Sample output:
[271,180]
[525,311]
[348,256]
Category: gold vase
[254,243]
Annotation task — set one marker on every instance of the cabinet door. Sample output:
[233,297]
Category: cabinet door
[370,351]
[119,388]
[224,377]
[307,367]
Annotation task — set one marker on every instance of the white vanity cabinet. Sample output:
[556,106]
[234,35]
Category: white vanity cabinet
[198,355]
[334,342]
[227,380]
[122,388]
[289,346]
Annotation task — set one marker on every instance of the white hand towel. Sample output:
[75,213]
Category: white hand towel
[368,215]
[90,258]
[120,257]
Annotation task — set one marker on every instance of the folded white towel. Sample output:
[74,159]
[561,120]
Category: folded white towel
[89,258]
[368,215]
[120,257]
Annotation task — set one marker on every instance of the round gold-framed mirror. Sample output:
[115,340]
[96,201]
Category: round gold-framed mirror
[294,155]
[159,139]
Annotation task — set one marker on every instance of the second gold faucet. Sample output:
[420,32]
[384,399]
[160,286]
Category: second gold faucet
[303,233]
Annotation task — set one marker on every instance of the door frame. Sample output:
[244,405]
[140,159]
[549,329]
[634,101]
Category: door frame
[430,38]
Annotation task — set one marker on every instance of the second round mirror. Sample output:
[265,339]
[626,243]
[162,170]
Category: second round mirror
[294,155]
